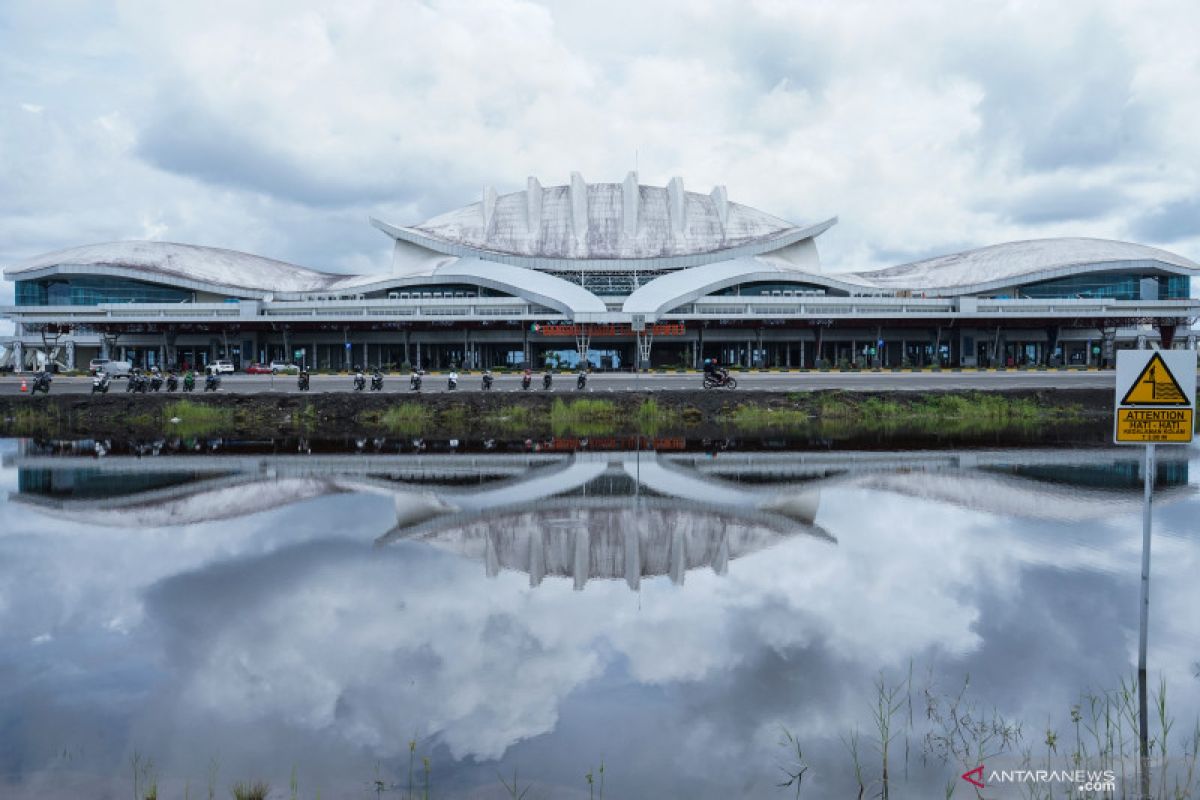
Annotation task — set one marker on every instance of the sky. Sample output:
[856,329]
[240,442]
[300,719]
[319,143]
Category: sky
[277,127]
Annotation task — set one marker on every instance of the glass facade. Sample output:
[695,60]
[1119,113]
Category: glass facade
[1115,286]
[780,289]
[609,284]
[90,291]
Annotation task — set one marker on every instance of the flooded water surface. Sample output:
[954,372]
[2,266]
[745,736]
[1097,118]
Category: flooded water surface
[701,619]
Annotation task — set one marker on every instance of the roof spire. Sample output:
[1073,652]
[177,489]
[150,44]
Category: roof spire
[533,206]
[579,207]
[630,197]
[677,204]
[720,199]
[489,206]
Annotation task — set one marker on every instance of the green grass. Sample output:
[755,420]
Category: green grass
[258,790]
[756,417]
[406,418]
[650,416]
[585,416]
[195,419]
[509,418]
[33,420]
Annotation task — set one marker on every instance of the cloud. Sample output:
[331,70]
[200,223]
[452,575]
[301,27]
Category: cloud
[279,127]
[1174,221]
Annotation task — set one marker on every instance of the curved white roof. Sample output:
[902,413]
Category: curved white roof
[602,222]
[1033,260]
[677,288]
[178,264]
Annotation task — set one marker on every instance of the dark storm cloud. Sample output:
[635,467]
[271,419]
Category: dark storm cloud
[1072,105]
[1064,202]
[1170,222]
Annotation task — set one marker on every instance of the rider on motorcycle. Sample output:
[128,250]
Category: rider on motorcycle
[487,379]
[713,369]
[377,380]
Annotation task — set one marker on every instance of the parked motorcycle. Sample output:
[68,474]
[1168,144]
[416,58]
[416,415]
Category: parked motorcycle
[189,381]
[100,383]
[136,382]
[526,380]
[581,382]
[452,381]
[172,381]
[156,382]
[41,383]
[212,382]
[302,381]
[547,379]
[487,381]
[360,381]
[377,381]
[414,382]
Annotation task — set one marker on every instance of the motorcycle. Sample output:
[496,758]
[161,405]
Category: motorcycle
[377,382]
[547,379]
[487,381]
[41,383]
[100,383]
[360,382]
[302,382]
[452,382]
[189,381]
[581,382]
[414,382]
[156,382]
[212,382]
[136,382]
[526,379]
[172,382]
[715,380]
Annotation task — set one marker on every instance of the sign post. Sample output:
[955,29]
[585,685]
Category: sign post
[1155,403]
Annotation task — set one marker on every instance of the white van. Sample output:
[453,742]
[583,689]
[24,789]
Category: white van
[115,369]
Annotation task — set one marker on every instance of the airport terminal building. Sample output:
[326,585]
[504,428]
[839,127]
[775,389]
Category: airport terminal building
[624,272]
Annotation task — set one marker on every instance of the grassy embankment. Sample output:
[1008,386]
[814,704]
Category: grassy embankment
[838,412]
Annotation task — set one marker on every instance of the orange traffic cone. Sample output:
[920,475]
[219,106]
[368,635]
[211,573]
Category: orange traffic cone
[24,386]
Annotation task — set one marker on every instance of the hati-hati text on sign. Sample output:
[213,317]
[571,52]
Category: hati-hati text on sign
[1154,425]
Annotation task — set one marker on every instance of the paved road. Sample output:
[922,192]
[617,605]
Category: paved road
[751,381]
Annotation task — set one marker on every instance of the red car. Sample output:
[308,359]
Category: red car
[258,369]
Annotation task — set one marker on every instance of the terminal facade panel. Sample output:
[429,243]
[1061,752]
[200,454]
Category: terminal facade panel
[625,272]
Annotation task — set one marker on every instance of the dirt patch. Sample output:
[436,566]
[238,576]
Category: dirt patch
[1053,415]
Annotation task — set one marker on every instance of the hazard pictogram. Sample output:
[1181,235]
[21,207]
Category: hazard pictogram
[1155,386]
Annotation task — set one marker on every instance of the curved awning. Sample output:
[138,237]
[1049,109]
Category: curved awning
[670,291]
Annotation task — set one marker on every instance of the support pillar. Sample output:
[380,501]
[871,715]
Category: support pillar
[644,340]
[1108,346]
[18,356]
[70,354]
[583,343]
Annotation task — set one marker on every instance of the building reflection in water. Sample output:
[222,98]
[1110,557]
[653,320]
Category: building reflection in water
[586,515]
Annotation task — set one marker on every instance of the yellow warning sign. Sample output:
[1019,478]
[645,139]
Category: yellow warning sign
[1155,386]
[1154,425]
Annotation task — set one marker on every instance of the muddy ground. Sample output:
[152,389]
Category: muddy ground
[1069,416]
